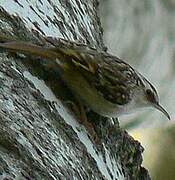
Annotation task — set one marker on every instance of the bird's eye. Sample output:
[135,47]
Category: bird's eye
[150,95]
[148,92]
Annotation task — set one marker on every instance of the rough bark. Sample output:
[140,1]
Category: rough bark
[40,137]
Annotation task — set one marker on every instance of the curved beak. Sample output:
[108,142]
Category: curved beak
[160,108]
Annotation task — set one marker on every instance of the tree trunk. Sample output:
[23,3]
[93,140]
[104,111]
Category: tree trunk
[40,137]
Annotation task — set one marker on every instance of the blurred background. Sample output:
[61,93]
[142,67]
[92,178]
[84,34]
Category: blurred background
[142,32]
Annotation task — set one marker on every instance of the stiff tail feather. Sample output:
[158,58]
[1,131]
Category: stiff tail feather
[27,48]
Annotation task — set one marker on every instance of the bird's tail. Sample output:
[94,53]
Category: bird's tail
[64,52]
[27,48]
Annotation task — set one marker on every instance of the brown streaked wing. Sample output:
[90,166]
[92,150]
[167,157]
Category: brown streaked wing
[107,75]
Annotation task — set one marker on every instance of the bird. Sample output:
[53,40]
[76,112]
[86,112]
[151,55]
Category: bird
[103,82]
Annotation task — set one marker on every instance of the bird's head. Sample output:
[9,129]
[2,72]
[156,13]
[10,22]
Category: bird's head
[150,97]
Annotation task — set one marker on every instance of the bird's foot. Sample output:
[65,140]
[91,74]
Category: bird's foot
[80,113]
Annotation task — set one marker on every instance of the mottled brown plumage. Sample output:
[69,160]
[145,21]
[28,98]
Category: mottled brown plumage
[105,83]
